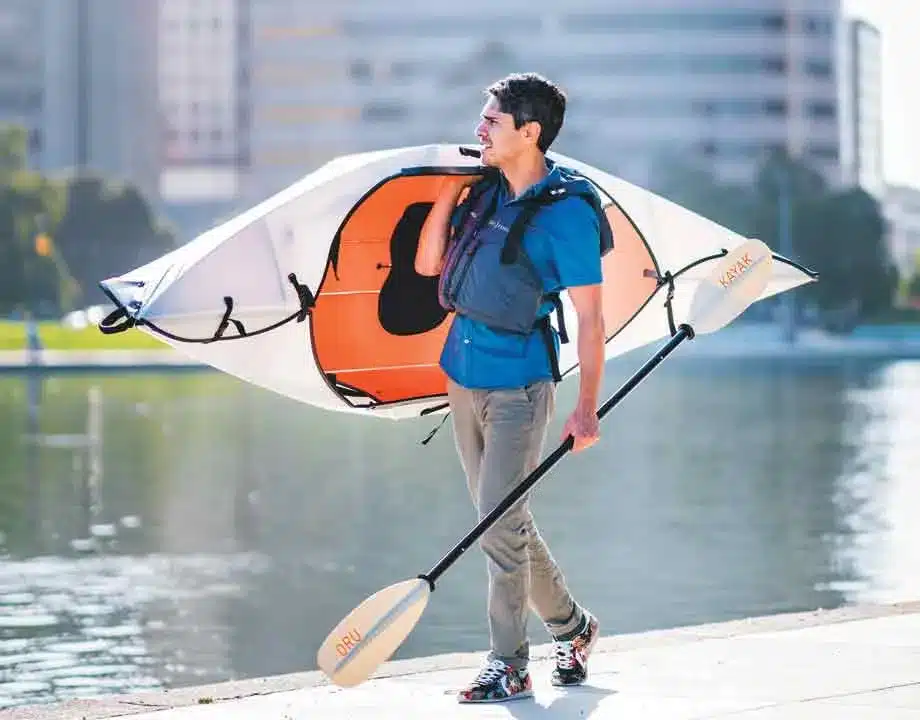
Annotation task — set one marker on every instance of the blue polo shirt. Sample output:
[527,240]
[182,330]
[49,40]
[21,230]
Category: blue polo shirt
[564,248]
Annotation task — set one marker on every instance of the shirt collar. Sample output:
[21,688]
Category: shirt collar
[553,177]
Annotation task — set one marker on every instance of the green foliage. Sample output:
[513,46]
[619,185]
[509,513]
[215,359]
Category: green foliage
[843,234]
[14,149]
[107,229]
[29,203]
[60,236]
[840,233]
[910,284]
[913,287]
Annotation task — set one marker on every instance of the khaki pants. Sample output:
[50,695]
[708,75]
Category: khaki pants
[500,436]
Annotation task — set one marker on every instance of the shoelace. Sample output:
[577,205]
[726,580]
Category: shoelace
[565,654]
[490,673]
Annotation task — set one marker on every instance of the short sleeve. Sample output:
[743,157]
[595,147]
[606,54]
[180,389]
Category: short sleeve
[575,244]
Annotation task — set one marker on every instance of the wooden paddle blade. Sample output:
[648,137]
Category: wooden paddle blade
[370,633]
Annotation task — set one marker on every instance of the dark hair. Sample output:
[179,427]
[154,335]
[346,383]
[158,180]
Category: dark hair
[531,97]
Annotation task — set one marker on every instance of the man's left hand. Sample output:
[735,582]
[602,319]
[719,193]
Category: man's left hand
[583,426]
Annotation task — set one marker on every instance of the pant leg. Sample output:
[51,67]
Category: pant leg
[522,572]
[550,597]
[466,419]
[514,425]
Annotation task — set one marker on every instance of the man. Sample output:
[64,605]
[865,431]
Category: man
[500,354]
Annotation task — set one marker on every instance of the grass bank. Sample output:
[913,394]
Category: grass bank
[54,336]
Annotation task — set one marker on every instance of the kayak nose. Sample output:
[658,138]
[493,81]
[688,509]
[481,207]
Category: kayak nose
[131,292]
[124,293]
[127,296]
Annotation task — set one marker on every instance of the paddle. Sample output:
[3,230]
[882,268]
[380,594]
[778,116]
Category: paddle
[370,634]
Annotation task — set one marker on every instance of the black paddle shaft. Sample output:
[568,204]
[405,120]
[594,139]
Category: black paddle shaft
[684,332]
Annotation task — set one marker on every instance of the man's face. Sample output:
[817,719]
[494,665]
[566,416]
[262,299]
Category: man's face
[500,142]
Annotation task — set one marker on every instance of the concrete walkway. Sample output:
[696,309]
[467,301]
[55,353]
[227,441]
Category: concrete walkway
[856,663]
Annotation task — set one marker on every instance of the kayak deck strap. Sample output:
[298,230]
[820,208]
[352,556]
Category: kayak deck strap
[305,297]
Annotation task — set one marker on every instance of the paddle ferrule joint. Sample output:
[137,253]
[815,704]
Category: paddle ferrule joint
[427,580]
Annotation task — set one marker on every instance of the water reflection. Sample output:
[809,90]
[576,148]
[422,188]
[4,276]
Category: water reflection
[876,494]
[175,529]
[85,627]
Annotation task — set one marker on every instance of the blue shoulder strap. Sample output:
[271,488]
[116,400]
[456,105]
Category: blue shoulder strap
[577,187]
[482,198]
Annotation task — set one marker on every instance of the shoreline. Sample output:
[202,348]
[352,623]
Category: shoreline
[745,342]
[311,688]
[49,361]
[61,360]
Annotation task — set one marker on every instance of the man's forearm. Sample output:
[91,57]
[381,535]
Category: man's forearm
[590,358]
[429,257]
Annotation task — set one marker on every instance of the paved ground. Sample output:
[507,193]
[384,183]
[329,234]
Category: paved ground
[851,664]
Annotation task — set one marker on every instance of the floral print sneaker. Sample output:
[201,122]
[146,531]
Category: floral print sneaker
[497,682]
[572,655]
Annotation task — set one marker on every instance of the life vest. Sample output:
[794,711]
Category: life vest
[487,275]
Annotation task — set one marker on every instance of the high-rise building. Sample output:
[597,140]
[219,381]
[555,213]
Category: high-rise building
[98,109]
[216,103]
[199,90]
[861,106]
[22,71]
[648,80]
[304,107]
[709,80]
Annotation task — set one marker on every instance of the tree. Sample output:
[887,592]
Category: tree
[840,233]
[14,150]
[913,288]
[30,208]
[60,237]
[107,229]
[843,234]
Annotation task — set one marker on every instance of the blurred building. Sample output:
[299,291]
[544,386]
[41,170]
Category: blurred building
[861,107]
[202,90]
[99,109]
[215,104]
[21,69]
[721,83]
[80,75]
[649,81]
[330,79]
[302,104]
[198,90]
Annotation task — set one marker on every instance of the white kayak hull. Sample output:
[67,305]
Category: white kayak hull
[311,294]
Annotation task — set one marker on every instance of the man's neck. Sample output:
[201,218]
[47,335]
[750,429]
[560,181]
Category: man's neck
[524,172]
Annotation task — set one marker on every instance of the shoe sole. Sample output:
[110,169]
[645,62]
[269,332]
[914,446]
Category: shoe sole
[517,696]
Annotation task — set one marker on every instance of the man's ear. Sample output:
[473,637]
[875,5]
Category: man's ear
[532,131]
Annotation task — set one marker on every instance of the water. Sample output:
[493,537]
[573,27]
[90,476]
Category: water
[182,528]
